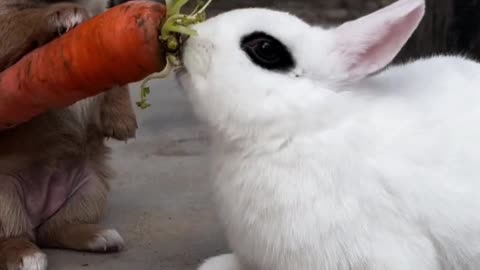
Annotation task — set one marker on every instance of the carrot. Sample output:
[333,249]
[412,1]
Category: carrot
[122,45]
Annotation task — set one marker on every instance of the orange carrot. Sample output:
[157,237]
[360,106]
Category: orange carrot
[117,47]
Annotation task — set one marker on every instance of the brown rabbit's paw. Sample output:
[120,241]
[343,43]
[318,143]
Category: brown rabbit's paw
[120,128]
[65,16]
[106,241]
[29,260]
[117,117]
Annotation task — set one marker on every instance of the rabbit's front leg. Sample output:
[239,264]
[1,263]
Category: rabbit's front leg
[222,262]
[117,115]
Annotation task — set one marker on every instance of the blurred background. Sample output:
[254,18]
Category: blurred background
[160,200]
[450,26]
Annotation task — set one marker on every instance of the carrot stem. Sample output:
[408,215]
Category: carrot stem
[175,7]
[143,104]
[204,7]
[176,24]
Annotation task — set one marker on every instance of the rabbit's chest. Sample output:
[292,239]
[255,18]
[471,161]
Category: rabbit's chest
[285,204]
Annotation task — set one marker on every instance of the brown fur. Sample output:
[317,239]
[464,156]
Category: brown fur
[54,137]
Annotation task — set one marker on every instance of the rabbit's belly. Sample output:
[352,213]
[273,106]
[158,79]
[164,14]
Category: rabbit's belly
[275,230]
[45,190]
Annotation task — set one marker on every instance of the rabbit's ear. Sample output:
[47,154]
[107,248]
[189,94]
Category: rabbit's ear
[368,44]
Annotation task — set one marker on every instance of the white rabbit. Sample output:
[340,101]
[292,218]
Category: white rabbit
[321,159]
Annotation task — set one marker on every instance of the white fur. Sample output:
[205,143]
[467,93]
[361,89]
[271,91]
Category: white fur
[106,240]
[337,169]
[72,21]
[223,262]
[35,261]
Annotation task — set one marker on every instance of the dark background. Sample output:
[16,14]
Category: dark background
[450,26]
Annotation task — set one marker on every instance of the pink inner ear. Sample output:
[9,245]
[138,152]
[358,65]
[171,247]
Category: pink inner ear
[368,44]
[383,50]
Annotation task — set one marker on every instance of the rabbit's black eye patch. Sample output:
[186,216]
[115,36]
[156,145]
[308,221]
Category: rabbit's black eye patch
[267,52]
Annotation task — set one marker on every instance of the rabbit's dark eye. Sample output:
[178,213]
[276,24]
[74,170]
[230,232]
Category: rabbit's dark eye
[267,52]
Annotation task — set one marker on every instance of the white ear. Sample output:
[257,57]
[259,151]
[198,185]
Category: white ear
[368,44]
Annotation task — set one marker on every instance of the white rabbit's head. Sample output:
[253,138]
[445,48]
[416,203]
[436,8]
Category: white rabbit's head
[251,68]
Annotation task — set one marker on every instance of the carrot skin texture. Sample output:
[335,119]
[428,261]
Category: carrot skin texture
[117,47]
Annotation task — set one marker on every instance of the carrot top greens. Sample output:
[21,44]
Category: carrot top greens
[176,27]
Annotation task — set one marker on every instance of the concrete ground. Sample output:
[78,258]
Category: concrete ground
[160,201]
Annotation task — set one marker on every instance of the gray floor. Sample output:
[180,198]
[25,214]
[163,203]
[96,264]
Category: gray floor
[160,200]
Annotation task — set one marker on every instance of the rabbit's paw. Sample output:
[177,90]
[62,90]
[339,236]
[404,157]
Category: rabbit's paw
[222,262]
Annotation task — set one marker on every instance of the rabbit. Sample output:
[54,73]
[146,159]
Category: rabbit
[54,170]
[324,155]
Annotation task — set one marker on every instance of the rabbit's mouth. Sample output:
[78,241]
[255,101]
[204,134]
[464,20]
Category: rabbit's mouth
[183,78]
[181,75]
[196,57]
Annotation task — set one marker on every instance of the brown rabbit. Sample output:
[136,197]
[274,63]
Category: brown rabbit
[53,170]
